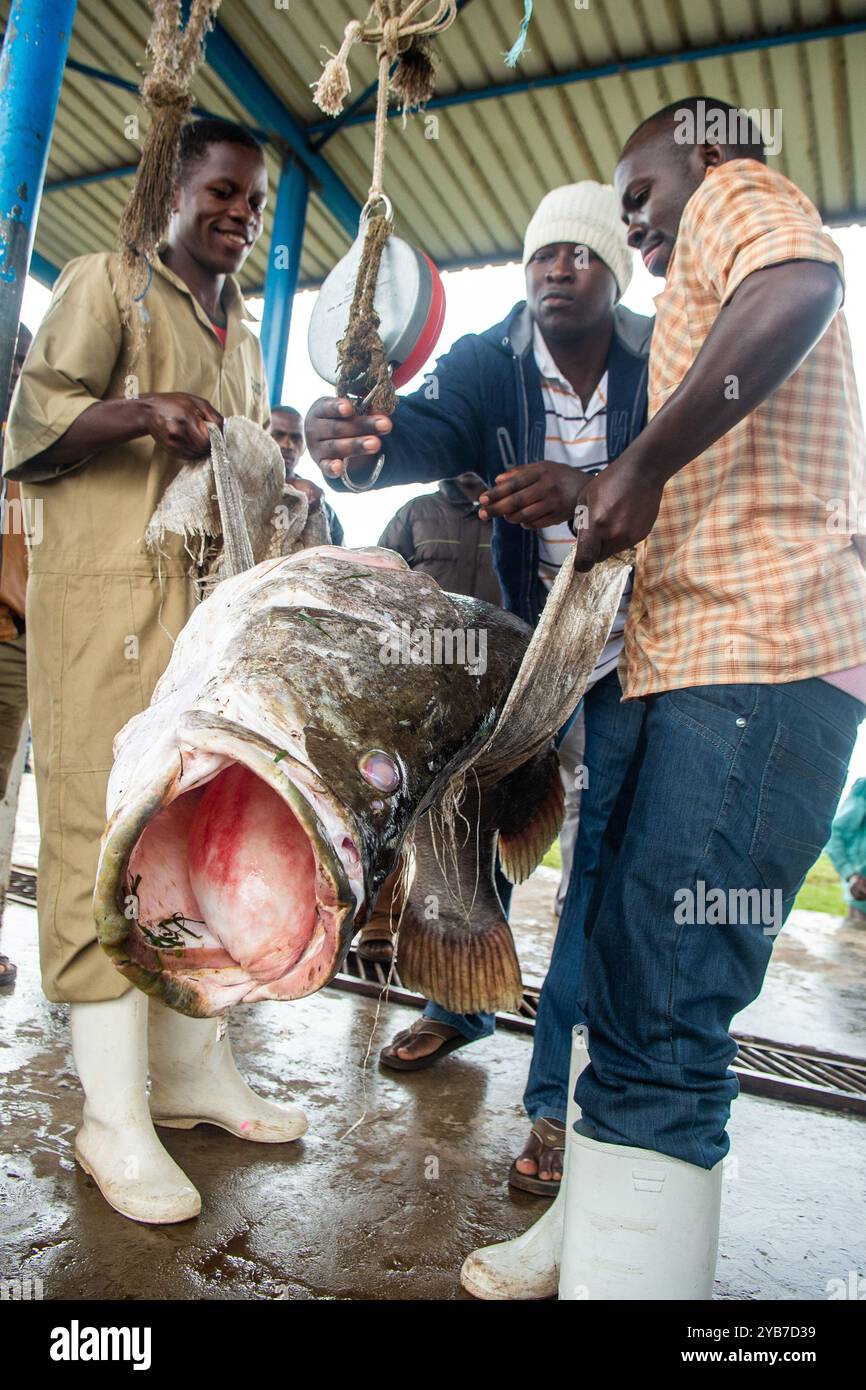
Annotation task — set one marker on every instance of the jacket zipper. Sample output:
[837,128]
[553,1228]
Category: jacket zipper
[530,536]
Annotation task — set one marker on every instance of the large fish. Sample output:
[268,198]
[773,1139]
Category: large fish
[314,711]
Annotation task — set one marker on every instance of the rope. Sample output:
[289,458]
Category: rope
[165,94]
[514,54]
[401,893]
[364,370]
[398,34]
[401,35]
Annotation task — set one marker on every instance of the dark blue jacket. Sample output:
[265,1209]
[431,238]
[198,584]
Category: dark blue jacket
[488,381]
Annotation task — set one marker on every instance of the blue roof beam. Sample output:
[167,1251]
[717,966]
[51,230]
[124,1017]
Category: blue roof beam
[122,171]
[126,85]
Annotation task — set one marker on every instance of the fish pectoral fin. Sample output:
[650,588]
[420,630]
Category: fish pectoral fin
[526,832]
[464,969]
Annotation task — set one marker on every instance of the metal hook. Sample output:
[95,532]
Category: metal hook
[367,209]
[365,487]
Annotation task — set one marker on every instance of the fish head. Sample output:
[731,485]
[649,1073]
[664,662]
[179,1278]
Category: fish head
[257,806]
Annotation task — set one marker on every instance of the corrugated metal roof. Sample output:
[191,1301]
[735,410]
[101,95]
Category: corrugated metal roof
[466,194]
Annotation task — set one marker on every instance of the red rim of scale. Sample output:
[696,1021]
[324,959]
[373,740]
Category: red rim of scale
[430,334]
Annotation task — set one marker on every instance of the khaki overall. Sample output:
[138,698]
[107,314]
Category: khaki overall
[101,609]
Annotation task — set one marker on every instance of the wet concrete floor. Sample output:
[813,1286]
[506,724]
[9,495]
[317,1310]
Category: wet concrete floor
[389,1210]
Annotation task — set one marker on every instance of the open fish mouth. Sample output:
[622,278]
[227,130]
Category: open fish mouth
[232,877]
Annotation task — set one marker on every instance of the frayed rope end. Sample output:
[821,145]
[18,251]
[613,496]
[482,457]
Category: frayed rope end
[332,88]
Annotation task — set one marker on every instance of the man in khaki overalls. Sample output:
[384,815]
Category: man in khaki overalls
[13,642]
[95,440]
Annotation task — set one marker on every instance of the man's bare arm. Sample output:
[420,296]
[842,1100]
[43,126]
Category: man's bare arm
[760,338]
[177,421]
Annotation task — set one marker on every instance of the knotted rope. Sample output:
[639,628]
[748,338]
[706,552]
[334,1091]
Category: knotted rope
[165,93]
[364,371]
[402,37]
[400,33]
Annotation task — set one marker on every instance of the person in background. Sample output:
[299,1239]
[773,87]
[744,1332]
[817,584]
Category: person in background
[546,400]
[288,430]
[847,851]
[13,644]
[442,535]
[102,610]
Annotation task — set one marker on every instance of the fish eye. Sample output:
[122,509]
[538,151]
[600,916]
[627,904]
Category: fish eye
[380,771]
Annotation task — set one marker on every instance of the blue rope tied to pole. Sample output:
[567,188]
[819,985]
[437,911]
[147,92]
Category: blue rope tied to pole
[513,57]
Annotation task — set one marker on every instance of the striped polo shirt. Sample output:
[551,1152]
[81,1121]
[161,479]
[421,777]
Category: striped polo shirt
[577,437]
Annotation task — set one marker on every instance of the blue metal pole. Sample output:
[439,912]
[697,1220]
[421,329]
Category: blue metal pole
[31,70]
[284,265]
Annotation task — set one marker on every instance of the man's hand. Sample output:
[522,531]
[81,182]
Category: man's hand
[178,422]
[857,887]
[338,439]
[311,491]
[617,508]
[536,495]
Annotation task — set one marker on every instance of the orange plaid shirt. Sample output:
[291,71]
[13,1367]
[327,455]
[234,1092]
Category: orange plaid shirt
[753,570]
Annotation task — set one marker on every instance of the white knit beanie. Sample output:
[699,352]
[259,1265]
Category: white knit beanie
[587,214]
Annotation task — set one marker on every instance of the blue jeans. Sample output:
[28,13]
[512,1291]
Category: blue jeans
[612,731]
[729,802]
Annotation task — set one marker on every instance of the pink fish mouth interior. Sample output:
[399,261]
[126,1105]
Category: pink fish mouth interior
[230,896]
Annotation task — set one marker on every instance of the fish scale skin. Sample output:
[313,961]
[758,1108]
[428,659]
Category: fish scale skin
[288,656]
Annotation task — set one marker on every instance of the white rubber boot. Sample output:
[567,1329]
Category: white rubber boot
[638,1224]
[528,1266]
[194,1081]
[117,1143]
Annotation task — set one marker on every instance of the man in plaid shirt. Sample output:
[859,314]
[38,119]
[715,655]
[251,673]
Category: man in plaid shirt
[746,642]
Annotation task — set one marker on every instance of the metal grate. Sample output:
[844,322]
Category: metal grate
[370,977]
[803,1074]
[22,886]
[799,1075]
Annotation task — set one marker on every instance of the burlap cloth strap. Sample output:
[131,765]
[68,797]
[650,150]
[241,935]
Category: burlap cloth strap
[557,665]
[237,547]
[229,501]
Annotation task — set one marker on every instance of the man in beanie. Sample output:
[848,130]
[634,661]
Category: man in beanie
[563,379]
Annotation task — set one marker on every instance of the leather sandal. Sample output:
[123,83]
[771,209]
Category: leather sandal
[376,934]
[420,1028]
[551,1135]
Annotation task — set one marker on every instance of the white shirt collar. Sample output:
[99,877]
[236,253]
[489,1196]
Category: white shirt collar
[546,364]
[544,359]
